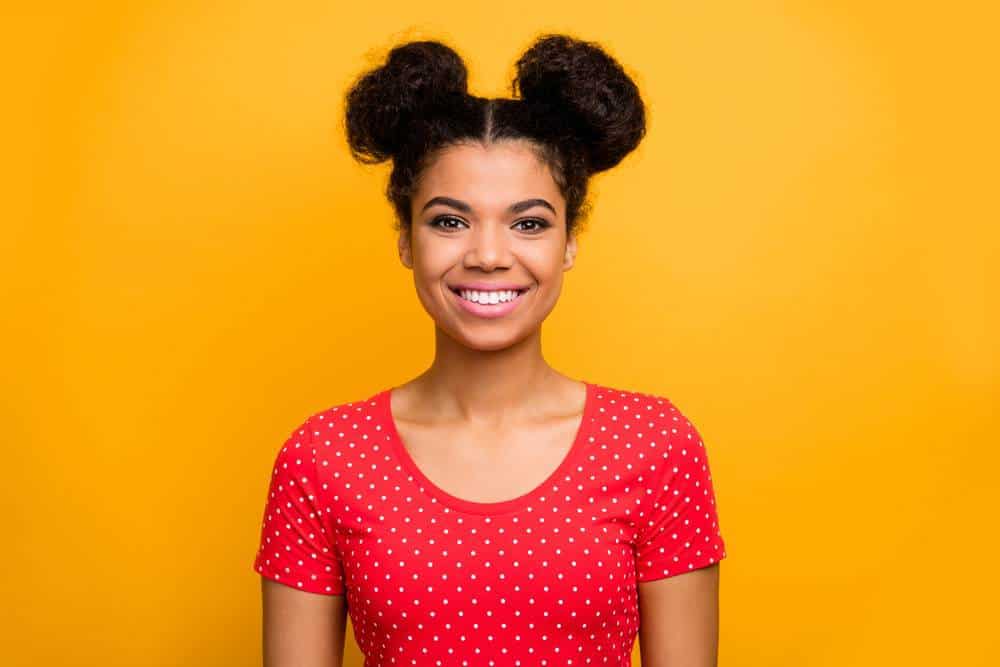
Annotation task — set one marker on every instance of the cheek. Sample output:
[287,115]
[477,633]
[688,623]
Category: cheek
[431,261]
[429,275]
[545,263]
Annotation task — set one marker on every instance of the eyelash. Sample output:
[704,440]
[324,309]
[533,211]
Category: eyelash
[541,224]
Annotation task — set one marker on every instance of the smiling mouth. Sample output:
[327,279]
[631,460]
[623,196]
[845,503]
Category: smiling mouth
[488,301]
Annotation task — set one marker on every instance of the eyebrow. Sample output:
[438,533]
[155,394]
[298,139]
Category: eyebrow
[465,208]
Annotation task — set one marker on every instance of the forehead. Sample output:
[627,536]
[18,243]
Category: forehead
[488,177]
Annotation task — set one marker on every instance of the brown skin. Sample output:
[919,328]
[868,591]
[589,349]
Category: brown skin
[488,373]
[302,629]
[489,384]
[679,620]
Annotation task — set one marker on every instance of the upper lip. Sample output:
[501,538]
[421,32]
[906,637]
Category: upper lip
[488,287]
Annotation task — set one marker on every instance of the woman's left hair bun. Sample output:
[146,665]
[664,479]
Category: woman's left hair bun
[417,79]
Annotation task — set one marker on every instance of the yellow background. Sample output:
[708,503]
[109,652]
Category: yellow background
[797,255]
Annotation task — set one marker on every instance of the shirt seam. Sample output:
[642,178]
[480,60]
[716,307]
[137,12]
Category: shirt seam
[661,491]
[332,531]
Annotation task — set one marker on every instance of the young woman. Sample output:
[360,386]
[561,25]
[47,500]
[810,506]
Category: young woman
[492,511]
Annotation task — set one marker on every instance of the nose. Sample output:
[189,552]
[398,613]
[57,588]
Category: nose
[489,247]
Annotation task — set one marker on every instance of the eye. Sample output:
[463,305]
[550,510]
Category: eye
[441,218]
[539,224]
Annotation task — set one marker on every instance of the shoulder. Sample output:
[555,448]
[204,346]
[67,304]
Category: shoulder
[659,446]
[650,425]
[337,421]
[630,408]
[345,434]
[346,417]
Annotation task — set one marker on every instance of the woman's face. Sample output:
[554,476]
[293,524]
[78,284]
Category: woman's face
[487,221]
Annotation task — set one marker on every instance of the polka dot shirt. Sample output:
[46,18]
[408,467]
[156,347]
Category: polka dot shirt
[548,578]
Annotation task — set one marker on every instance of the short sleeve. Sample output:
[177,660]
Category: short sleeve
[682,530]
[297,541]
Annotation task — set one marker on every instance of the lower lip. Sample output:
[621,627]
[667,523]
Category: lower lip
[489,310]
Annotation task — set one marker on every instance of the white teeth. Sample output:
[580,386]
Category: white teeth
[489,297]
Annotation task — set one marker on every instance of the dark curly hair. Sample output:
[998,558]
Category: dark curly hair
[580,111]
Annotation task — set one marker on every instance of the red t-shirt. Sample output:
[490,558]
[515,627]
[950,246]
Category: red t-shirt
[547,578]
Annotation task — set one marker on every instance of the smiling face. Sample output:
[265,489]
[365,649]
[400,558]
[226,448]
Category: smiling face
[490,218]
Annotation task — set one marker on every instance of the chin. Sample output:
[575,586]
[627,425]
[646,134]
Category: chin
[494,341]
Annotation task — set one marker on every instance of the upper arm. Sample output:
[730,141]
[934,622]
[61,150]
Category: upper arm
[679,620]
[302,629]
[302,578]
[678,549]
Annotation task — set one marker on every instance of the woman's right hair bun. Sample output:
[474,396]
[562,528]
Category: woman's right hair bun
[417,79]
[580,82]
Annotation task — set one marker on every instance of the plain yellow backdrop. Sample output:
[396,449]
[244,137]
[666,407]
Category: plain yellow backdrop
[798,255]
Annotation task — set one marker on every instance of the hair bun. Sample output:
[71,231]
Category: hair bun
[418,79]
[578,80]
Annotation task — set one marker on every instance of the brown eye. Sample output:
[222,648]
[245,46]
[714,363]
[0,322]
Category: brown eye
[436,222]
[539,224]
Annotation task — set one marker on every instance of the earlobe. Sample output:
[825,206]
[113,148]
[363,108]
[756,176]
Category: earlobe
[570,256]
[404,250]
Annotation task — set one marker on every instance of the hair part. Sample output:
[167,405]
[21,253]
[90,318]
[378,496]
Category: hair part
[572,103]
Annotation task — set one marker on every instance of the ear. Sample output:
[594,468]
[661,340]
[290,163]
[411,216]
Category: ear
[405,248]
[570,255]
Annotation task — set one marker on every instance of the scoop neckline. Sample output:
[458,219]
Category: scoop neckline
[475,507]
